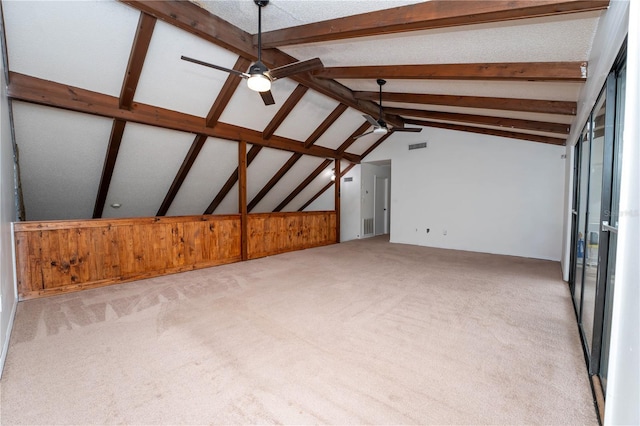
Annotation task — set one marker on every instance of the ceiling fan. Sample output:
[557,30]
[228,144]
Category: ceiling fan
[380,126]
[259,77]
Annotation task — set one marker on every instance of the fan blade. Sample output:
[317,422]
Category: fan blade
[364,134]
[217,67]
[408,129]
[267,97]
[295,68]
[371,120]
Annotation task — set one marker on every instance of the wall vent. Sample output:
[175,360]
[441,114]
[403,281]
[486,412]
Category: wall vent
[348,179]
[417,145]
[367,227]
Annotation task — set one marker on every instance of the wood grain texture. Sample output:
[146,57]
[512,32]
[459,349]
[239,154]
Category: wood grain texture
[62,256]
[423,16]
[273,233]
[507,71]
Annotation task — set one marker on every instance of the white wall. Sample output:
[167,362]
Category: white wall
[612,29]
[488,194]
[7,215]
[623,386]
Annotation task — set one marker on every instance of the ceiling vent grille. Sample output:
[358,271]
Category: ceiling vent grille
[348,179]
[417,146]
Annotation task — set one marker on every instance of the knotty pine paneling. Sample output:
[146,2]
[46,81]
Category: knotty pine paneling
[62,256]
[273,233]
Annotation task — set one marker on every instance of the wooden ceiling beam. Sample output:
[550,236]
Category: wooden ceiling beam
[228,185]
[492,132]
[43,92]
[189,159]
[503,104]
[115,139]
[141,42]
[284,111]
[273,181]
[303,185]
[518,71]
[197,21]
[326,187]
[324,126]
[511,123]
[423,16]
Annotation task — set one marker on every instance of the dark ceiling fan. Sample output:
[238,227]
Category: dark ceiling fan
[259,77]
[380,126]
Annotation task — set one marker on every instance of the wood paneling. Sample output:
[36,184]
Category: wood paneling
[69,255]
[273,233]
[62,256]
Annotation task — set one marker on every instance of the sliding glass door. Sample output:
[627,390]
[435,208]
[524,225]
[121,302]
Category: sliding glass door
[595,217]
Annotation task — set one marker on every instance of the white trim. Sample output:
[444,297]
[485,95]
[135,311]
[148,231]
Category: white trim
[14,307]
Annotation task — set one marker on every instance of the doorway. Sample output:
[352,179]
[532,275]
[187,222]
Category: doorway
[380,205]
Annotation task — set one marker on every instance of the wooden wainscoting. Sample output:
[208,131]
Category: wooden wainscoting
[69,255]
[273,233]
[63,256]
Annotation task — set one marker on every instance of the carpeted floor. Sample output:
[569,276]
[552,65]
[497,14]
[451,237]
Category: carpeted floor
[364,332]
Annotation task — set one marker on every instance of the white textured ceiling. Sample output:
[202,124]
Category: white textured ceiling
[87,44]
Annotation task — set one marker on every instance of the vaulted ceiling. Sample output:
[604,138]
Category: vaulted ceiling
[107,114]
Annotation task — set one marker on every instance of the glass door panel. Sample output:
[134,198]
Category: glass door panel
[611,219]
[582,219]
[592,235]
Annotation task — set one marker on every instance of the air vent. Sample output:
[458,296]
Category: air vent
[367,226]
[417,146]
[348,179]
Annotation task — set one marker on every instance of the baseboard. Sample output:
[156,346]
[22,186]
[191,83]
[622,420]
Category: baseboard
[5,346]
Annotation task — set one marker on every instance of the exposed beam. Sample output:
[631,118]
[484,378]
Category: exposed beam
[284,111]
[43,92]
[242,197]
[325,188]
[352,138]
[141,42]
[273,181]
[336,197]
[492,132]
[189,159]
[197,21]
[511,123]
[302,185]
[117,130]
[376,144]
[422,16]
[227,91]
[226,188]
[507,104]
[528,71]
[324,126]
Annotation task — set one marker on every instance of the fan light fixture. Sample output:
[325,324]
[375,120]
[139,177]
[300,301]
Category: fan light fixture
[380,130]
[259,83]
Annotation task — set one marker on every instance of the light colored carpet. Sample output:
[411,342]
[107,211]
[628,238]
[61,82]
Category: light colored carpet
[364,332]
